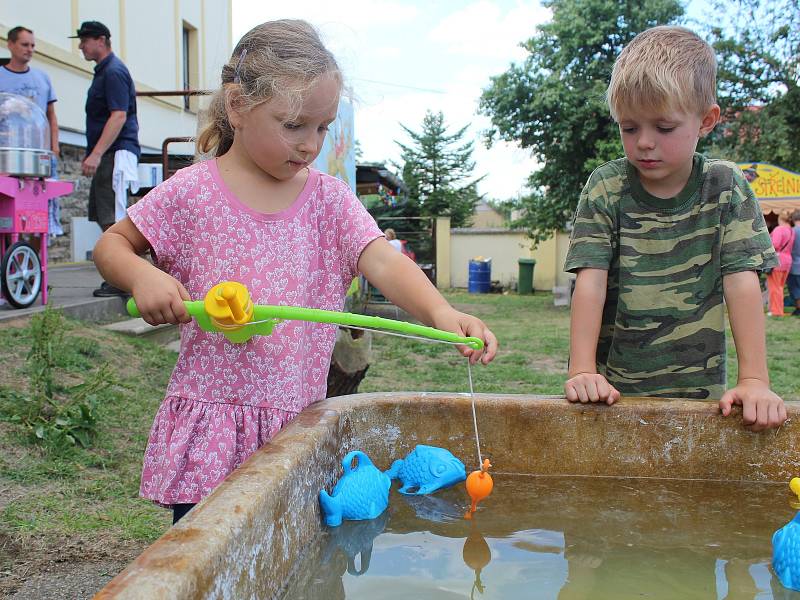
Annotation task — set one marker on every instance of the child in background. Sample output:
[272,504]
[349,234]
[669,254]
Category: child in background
[793,280]
[257,213]
[391,237]
[782,240]
[660,237]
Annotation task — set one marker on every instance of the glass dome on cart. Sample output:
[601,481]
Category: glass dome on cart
[22,124]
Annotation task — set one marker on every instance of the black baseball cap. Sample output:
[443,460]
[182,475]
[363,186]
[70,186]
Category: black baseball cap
[93,29]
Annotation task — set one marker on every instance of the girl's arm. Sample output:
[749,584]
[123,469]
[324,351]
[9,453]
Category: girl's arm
[406,286]
[158,295]
[761,407]
[585,384]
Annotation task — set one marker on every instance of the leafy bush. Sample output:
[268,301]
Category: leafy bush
[57,416]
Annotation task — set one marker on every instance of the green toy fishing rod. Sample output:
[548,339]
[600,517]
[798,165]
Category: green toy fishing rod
[228,309]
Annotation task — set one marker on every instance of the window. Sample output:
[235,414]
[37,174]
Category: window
[190,65]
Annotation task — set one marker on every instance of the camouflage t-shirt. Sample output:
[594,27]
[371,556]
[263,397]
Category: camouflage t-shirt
[663,329]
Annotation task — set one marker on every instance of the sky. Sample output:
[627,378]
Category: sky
[404,57]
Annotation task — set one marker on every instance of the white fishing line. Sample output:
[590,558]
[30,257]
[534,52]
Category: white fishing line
[474,418]
[410,337]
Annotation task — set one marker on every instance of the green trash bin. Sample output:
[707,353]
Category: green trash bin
[526,266]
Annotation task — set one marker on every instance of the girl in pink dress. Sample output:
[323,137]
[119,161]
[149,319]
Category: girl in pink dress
[260,214]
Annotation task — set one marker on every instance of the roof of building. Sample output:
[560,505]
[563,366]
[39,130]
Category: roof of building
[378,173]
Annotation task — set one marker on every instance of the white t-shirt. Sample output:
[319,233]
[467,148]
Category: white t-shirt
[396,244]
[33,84]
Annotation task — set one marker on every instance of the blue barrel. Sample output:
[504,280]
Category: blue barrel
[480,276]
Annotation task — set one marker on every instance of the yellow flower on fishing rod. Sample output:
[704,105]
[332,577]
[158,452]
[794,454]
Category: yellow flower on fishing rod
[228,305]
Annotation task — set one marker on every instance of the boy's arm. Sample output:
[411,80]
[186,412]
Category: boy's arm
[402,282]
[761,407]
[586,316]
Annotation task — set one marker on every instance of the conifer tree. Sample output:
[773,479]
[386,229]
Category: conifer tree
[437,168]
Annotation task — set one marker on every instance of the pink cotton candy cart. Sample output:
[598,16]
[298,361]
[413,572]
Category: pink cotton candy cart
[24,210]
[25,193]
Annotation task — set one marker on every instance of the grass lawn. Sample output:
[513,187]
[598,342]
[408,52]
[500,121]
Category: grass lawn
[83,506]
[534,343]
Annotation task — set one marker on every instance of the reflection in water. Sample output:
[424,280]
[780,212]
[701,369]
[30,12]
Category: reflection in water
[355,539]
[319,577]
[561,539]
[476,555]
[434,508]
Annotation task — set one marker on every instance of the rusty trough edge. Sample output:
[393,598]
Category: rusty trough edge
[267,509]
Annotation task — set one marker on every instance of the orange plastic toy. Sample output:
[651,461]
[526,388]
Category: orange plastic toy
[479,485]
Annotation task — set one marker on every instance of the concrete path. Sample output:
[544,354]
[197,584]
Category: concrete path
[71,287]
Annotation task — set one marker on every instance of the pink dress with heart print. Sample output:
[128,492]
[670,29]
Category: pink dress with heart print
[225,400]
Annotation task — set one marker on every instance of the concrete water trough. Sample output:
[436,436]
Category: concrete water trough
[247,538]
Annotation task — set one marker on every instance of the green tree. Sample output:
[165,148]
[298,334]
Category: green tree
[554,101]
[758,49]
[437,167]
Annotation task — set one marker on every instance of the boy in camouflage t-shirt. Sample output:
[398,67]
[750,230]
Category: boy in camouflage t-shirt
[660,237]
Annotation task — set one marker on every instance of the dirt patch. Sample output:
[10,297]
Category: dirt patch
[19,323]
[10,492]
[471,309]
[549,365]
[66,568]
[77,580]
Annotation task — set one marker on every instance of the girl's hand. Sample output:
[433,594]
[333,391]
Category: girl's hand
[159,298]
[449,319]
[761,407]
[590,387]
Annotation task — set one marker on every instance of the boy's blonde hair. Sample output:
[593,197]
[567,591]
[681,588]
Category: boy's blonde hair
[663,69]
[283,59]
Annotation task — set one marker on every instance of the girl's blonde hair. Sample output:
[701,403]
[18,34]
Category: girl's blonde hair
[785,215]
[277,59]
[664,68]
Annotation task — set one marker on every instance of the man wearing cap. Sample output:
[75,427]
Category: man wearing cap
[112,133]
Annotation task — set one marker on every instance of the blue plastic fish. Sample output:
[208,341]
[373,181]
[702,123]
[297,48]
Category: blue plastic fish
[361,493]
[786,554]
[427,469]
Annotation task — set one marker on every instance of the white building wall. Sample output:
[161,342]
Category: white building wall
[504,246]
[152,53]
[57,13]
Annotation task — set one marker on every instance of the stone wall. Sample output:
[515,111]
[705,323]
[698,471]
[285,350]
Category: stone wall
[74,205]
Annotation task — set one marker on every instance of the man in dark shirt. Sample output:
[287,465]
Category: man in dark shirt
[111,126]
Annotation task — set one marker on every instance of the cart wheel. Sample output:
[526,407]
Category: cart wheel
[21,275]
